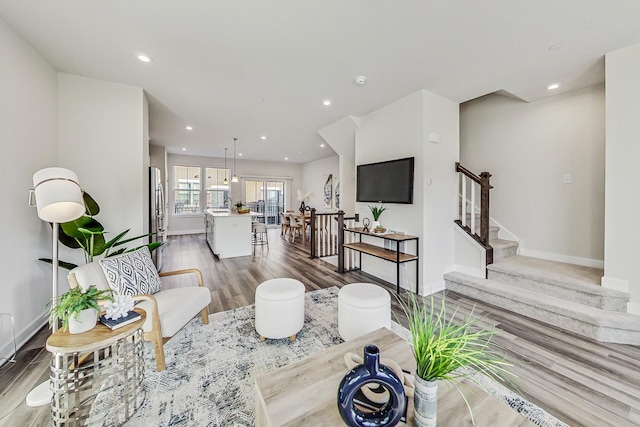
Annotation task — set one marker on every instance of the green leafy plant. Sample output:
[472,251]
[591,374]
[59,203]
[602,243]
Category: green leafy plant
[72,302]
[376,211]
[88,234]
[445,349]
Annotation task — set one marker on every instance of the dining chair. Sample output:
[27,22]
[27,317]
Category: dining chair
[295,226]
[284,224]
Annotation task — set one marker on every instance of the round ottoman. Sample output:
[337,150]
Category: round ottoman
[362,308]
[279,308]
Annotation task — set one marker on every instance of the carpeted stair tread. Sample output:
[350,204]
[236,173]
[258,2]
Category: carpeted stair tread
[556,273]
[598,324]
[502,244]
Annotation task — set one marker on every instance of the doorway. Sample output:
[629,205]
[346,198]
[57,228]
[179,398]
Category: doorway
[265,198]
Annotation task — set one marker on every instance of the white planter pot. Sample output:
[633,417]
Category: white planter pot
[375,224]
[425,403]
[86,320]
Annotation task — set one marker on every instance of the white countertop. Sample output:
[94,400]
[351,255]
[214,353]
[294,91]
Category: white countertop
[219,214]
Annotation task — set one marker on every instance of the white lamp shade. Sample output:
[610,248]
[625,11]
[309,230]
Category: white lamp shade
[58,195]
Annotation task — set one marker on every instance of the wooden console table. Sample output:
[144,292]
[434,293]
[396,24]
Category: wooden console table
[96,376]
[396,255]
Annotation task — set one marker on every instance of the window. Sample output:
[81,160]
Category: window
[186,188]
[217,191]
[188,181]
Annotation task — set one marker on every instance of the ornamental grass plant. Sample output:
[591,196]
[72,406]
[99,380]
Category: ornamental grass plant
[449,347]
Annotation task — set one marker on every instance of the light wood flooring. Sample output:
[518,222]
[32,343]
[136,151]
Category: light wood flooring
[581,382]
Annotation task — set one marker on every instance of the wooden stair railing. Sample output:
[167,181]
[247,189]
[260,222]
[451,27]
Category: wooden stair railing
[326,232]
[468,180]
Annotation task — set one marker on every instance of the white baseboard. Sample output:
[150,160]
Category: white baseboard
[586,262]
[614,283]
[183,232]
[6,351]
[433,287]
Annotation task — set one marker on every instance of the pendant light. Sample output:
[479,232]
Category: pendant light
[235,177]
[226,181]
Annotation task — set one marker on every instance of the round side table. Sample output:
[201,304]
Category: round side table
[96,376]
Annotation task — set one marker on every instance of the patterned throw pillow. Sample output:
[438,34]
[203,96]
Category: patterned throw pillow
[132,273]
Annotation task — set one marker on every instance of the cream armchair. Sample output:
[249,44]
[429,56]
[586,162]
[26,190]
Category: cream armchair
[167,311]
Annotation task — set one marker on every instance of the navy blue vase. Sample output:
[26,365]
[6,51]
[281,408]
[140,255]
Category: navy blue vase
[371,372]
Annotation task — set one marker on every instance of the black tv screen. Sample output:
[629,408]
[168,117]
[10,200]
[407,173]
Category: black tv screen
[385,182]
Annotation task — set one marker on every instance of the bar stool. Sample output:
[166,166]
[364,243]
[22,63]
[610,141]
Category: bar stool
[259,235]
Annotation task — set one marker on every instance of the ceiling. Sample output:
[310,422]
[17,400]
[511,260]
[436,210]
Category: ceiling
[253,68]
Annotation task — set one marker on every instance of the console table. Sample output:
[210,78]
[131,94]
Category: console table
[96,376]
[396,255]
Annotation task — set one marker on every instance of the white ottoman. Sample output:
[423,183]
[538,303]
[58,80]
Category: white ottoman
[362,308]
[279,308]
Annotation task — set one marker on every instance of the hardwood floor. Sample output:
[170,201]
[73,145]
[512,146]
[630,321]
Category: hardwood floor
[581,382]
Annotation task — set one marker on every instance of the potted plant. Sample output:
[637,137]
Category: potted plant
[88,234]
[447,350]
[78,309]
[376,211]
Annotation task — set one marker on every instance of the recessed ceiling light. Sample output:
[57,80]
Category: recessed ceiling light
[322,145]
[240,154]
[286,158]
[360,80]
[263,137]
[188,128]
[326,102]
[184,149]
[553,86]
[144,58]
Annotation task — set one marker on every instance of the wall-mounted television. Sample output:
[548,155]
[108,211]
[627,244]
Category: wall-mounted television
[385,182]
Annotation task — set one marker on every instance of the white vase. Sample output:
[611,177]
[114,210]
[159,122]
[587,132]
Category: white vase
[425,403]
[375,224]
[86,320]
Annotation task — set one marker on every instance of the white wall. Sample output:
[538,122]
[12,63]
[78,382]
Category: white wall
[248,168]
[102,138]
[28,134]
[314,175]
[528,147]
[440,187]
[397,131]
[622,251]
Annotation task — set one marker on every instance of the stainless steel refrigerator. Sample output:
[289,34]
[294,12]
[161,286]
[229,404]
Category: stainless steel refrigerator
[157,214]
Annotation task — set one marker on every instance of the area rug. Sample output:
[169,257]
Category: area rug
[209,380]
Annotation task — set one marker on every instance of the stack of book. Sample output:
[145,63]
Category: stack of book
[131,317]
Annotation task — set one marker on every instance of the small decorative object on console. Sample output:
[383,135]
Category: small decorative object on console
[119,307]
[365,223]
[380,412]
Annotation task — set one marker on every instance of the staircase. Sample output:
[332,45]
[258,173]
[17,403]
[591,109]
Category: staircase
[563,295]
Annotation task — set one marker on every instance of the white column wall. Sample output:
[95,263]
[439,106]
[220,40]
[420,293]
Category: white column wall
[102,138]
[28,134]
[622,235]
[400,130]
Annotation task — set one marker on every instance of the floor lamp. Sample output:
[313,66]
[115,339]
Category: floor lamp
[58,198]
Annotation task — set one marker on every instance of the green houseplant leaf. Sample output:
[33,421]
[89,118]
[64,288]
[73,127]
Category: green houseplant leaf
[376,211]
[72,302]
[447,348]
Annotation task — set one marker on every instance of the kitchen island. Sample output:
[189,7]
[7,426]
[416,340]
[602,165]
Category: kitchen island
[228,234]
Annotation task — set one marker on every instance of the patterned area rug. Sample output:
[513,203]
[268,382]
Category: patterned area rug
[209,380]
